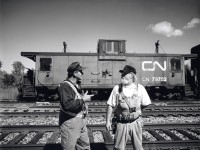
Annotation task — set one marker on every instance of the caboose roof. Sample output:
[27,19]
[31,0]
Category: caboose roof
[32,55]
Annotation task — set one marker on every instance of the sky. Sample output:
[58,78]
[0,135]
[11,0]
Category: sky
[43,26]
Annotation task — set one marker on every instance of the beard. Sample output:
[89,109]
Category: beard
[124,81]
[77,77]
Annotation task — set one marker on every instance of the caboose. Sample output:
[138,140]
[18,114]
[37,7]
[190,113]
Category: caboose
[195,71]
[163,75]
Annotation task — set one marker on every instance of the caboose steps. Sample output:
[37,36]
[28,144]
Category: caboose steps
[188,91]
[29,91]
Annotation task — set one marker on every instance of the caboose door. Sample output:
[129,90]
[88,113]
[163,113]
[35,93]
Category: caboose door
[44,71]
[176,72]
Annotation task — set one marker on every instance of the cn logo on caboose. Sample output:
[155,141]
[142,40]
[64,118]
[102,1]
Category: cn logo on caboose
[152,67]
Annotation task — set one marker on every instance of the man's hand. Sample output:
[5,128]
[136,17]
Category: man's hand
[109,129]
[86,97]
[108,126]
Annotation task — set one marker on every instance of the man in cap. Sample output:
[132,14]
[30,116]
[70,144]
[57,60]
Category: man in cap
[128,99]
[73,110]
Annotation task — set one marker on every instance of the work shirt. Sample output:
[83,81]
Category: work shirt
[129,124]
[129,92]
[68,101]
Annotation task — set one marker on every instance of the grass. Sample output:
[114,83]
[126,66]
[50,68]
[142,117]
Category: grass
[8,93]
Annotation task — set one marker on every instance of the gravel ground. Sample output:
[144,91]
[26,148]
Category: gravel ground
[94,120]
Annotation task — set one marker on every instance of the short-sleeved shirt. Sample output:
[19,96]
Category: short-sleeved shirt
[128,91]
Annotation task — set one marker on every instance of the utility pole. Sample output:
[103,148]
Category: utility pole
[157,47]
[65,46]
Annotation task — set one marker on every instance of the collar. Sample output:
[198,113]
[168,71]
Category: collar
[77,85]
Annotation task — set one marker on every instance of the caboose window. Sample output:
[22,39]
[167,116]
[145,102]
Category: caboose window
[112,47]
[45,64]
[116,46]
[175,64]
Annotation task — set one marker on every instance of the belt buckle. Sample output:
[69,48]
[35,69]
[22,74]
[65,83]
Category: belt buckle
[132,109]
[119,119]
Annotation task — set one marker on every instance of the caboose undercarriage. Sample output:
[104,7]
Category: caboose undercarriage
[44,93]
[165,93]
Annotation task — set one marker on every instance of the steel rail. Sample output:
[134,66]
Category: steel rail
[102,112]
[94,103]
[101,126]
[93,106]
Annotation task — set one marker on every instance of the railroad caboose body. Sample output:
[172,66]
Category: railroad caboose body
[162,74]
[195,70]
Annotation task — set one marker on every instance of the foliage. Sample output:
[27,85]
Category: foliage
[9,83]
[0,63]
[8,80]
[13,79]
[18,69]
[1,78]
[9,93]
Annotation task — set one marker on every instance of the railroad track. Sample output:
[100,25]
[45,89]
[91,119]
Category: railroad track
[160,136]
[95,108]
[7,104]
[101,111]
[155,141]
[96,114]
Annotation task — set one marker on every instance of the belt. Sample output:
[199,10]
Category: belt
[122,120]
[79,115]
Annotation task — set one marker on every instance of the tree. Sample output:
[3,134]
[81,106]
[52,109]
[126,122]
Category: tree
[8,80]
[5,79]
[0,64]
[18,69]
[2,78]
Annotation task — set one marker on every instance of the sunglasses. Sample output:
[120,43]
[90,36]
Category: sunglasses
[123,74]
[81,71]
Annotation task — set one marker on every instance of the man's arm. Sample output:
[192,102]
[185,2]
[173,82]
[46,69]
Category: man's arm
[111,104]
[108,118]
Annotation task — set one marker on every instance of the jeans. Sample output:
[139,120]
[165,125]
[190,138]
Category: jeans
[126,130]
[74,135]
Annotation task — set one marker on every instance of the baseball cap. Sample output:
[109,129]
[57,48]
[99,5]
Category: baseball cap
[74,67]
[127,69]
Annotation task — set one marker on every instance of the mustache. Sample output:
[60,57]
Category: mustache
[123,80]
